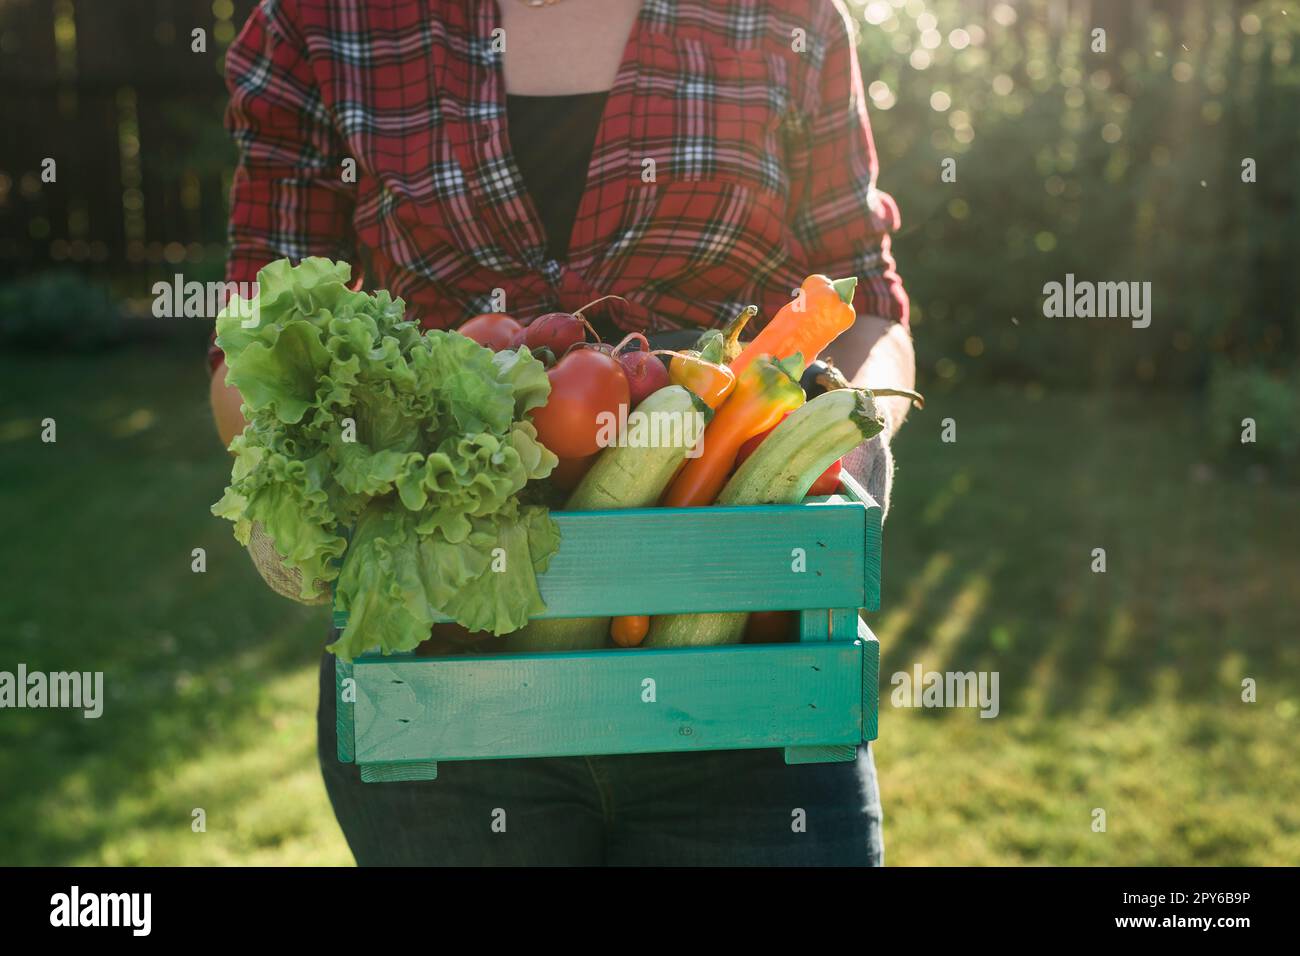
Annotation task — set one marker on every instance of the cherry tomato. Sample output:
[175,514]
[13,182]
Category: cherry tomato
[828,483]
[494,330]
[586,386]
[629,631]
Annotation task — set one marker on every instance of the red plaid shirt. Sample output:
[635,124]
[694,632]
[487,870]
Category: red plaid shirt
[734,157]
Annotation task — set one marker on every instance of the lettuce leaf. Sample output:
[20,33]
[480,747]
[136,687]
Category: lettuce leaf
[386,460]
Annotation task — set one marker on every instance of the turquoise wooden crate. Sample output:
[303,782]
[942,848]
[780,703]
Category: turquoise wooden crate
[400,716]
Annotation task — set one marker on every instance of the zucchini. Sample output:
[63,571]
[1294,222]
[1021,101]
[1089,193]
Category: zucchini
[627,477]
[559,634]
[623,476]
[780,471]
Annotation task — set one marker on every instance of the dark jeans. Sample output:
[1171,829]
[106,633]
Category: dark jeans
[727,807]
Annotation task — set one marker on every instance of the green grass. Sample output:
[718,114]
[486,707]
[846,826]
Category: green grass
[209,678]
[1118,690]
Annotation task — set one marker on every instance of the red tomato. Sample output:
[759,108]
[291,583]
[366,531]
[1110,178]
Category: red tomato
[494,330]
[747,448]
[827,483]
[586,385]
[570,471]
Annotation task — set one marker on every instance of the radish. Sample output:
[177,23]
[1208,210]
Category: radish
[557,331]
[560,331]
[646,374]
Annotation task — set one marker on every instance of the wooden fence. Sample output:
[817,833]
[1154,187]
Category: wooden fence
[113,92]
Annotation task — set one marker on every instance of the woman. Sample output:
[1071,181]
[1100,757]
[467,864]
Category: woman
[534,155]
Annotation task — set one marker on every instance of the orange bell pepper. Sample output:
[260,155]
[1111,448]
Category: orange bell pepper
[703,369]
[710,381]
[764,392]
[805,324]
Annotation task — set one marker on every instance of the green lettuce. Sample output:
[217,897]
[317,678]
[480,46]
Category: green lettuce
[385,460]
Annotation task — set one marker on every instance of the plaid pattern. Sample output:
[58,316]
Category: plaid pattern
[763,168]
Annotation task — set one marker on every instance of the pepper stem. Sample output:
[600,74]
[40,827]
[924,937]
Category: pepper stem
[731,332]
[917,398]
[844,288]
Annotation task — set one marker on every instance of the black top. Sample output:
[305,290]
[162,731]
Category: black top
[552,138]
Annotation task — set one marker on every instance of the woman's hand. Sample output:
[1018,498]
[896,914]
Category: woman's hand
[877,352]
[226,403]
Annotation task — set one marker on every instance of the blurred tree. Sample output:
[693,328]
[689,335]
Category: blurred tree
[1117,166]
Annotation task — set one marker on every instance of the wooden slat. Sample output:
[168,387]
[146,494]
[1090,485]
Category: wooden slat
[526,705]
[834,753]
[870,682]
[843,623]
[829,624]
[825,625]
[344,721]
[696,560]
[672,561]
[814,625]
[872,541]
[399,772]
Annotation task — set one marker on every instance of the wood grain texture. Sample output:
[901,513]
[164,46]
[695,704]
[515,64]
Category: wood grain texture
[843,623]
[673,561]
[872,540]
[835,753]
[817,699]
[814,625]
[397,772]
[343,716]
[699,560]
[527,705]
[870,682]
[824,625]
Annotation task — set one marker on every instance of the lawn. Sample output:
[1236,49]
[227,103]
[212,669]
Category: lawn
[1119,691]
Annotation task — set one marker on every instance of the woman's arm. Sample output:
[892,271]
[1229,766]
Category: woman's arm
[878,352]
[288,197]
[844,224]
[225,405]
